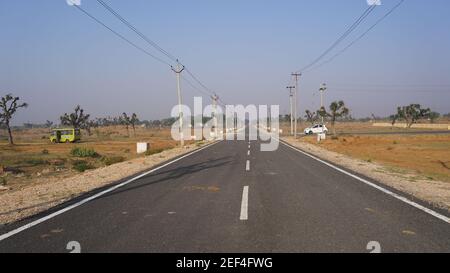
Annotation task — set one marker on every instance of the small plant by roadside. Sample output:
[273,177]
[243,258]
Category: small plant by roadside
[83,152]
[45,152]
[3,181]
[154,151]
[81,165]
[109,160]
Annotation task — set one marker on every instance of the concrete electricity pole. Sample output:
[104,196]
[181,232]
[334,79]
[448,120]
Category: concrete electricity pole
[296,76]
[178,71]
[215,98]
[322,89]
[291,105]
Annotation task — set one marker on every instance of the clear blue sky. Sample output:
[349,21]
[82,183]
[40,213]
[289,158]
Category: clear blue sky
[55,57]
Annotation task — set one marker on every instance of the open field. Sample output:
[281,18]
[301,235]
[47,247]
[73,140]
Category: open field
[34,156]
[356,127]
[426,155]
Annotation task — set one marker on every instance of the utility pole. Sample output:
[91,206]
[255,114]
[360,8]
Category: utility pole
[215,98]
[178,71]
[291,105]
[322,89]
[296,76]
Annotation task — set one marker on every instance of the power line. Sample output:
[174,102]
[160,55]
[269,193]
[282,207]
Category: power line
[342,37]
[120,35]
[346,90]
[156,46]
[195,87]
[360,37]
[387,85]
[199,82]
[134,29]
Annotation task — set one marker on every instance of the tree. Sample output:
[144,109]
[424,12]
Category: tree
[76,119]
[133,120]
[337,110]
[393,119]
[412,113]
[311,116]
[433,116]
[8,107]
[125,120]
[130,121]
[88,125]
[48,124]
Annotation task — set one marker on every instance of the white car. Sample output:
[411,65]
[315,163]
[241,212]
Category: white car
[316,129]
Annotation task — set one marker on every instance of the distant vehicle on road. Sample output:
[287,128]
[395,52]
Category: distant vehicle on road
[65,135]
[316,129]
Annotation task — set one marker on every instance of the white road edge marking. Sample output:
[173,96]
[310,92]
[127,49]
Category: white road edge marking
[393,194]
[244,204]
[247,165]
[61,211]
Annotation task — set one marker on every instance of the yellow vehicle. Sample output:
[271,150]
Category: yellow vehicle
[65,135]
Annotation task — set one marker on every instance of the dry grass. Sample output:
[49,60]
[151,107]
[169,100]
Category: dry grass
[427,155]
[353,127]
[34,156]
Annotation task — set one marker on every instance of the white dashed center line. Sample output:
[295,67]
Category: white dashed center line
[244,204]
[247,165]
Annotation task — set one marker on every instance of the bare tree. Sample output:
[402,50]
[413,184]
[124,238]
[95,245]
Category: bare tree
[130,121]
[133,120]
[88,125]
[8,107]
[126,120]
[311,117]
[76,119]
[337,110]
[412,113]
[48,124]
[393,119]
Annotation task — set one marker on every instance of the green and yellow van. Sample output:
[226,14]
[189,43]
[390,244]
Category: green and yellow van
[65,135]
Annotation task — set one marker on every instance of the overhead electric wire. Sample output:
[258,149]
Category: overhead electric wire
[120,35]
[199,82]
[153,44]
[341,38]
[134,29]
[359,37]
[195,87]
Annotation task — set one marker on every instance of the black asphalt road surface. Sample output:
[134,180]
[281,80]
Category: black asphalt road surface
[295,204]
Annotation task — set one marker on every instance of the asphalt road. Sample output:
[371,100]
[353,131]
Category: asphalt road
[214,201]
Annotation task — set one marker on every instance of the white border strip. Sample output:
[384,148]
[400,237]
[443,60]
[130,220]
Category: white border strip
[399,197]
[61,211]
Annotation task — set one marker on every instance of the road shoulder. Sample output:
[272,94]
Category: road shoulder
[434,192]
[18,205]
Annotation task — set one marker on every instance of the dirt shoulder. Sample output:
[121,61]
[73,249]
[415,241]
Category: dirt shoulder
[432,191]
[51,191]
